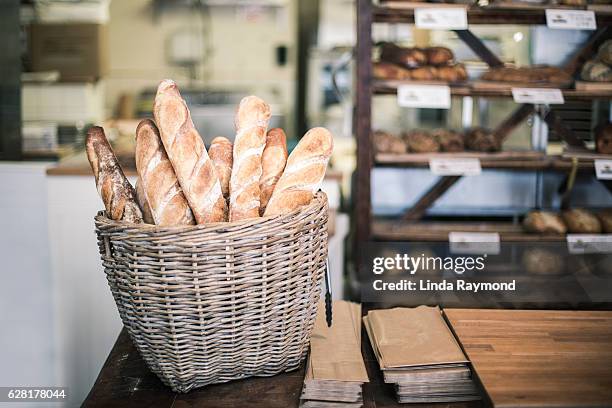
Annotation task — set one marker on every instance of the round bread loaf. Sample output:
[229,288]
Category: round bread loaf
[423,73]
[596,71]
[449,140]
[542,262]
[605,218]
[439,56]
[419,141]
[387,143]
[482,140]
[603,139]
[605,52]
[580,221]
[544,222]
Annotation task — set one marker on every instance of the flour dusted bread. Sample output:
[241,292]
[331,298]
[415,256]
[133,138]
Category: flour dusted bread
[185,148]
[273,163]
[141,199]
[544,222]
[580,221]
[161,188]
[303,173]
[116,191]
[221,153]
[252,120]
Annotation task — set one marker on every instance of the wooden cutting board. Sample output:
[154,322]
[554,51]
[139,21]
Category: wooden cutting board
[532,358]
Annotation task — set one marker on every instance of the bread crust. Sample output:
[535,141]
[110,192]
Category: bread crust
[221,153]
[161,188]
[187,153]
[116,191]
[303,173]
[273,163]
[141,199]
[252,120]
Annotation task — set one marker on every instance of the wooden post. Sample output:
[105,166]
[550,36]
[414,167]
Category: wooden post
[418,210]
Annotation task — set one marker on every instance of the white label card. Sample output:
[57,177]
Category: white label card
[479,243]
[424,96]
[589,244]
[455,167]
[603,169]
[571,19]
[441,18]
[538,96]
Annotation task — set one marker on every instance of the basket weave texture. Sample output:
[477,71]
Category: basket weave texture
[212,303]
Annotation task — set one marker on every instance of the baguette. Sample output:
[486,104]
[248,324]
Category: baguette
[141,199]
[251,123]
[185,148]
[116,191]
[162,190]
[273,163]
[303,174]
[221,153]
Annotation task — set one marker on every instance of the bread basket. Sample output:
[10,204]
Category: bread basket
[212,303]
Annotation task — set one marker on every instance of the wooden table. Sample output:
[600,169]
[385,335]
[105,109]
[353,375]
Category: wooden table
[125,381]
[534,358]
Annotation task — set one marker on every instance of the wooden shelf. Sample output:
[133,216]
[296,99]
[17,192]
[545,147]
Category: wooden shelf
[435,231]
[388,87]
[404,13]
[525,161]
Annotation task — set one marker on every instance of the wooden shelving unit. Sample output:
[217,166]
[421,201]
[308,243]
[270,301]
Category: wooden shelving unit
[411,226]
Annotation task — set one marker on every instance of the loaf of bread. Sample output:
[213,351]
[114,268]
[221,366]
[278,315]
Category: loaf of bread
[303,174]
[439,56]
[273,163]
[423,73]
[420,141]
[451,73]
[388,143]
[221,152]
[580,221]
[161,188]
[544,222]
[605,218]
[185,148]
[604,54]
[542,262]
[387,70]
[482,140]
[596,71]
[603,139]
[251,124]
[405,57]
[530,75]
[116,191]
[141,199]
[449,140]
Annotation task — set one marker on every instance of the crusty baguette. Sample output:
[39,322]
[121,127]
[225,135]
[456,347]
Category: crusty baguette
[185,148]
[116,191]
[162,190]
[303,174]
[273,163]
[252,120]
[221,153]
[141,199]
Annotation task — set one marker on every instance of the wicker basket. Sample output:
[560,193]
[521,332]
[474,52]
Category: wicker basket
[213,303]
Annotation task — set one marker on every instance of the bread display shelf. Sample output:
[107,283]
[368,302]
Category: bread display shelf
[584,154]
[386,87]
[403,12]
[435,231]
[510,160]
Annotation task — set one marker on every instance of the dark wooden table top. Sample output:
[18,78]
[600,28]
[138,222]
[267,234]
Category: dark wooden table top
[125,381]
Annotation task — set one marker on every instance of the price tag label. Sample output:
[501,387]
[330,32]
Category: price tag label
[571,19]
[441,18]
[535,96]
[474,243]
[589,244]
[424,96]
[455,167]
[603,169]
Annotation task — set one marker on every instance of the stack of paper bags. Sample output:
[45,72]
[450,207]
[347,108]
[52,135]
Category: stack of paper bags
[335,372]
[419,354]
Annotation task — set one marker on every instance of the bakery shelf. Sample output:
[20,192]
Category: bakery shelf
[436,231]
[389,87]
[403,12]
[509,160]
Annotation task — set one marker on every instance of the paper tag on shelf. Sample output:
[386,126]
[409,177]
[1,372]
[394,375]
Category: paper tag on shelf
[455,167]
[474,243]
[603,169]
[441,18]
[589,244]
[424,96]
[538,96]
[571,19]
